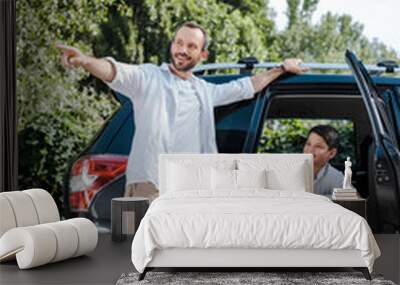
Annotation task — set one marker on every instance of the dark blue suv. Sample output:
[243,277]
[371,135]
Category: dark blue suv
[367,99]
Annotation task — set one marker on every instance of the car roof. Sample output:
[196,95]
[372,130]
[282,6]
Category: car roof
[309,79]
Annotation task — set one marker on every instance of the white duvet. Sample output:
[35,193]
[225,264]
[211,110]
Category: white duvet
[250,219]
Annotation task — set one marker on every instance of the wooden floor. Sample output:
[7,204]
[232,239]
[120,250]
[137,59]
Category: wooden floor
[102,266]
[110,259]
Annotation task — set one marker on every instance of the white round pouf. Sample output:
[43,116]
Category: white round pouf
[30,230]
[40,244]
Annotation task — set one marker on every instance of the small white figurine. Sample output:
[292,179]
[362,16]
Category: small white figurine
[347,174]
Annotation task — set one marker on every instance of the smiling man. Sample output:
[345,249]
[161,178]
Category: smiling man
[173,109]
[322,143]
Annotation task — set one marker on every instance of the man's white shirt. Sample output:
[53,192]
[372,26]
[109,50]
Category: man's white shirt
[186,134]
[168,111]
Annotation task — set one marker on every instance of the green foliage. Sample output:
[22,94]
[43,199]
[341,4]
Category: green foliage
[327,40]
[290,135]
[286,135]
[57,115]
[234,33]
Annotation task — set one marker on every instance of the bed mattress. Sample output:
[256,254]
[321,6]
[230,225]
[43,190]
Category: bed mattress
[250,219]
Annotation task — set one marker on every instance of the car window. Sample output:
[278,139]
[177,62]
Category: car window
[289,135]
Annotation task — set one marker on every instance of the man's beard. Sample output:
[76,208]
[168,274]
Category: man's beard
[190,65]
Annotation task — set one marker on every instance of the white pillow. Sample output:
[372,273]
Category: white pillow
[292,178]
[223,179]
[282,174]
[231,180]
[251,178]
[188,177]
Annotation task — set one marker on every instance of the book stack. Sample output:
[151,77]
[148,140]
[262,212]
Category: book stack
[345,194]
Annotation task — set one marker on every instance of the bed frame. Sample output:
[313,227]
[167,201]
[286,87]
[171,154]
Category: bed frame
[246,258]
[242,259]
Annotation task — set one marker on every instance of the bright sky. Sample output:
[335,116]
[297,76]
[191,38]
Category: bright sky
[381,18]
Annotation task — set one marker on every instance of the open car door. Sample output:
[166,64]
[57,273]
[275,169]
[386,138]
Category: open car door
[384,169]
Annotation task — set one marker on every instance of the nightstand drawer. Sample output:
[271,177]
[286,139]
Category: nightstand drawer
[357,206]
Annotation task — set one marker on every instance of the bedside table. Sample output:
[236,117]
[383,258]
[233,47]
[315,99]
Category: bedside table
[358,206]
[126,214]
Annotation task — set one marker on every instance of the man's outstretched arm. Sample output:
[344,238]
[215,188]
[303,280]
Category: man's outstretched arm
[261,80]
[245,88]
[100,68]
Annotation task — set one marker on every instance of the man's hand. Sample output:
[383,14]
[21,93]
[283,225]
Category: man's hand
[71,57]
[100,68]
[293,65]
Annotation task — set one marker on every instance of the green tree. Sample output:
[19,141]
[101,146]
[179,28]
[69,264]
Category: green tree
[236,29]
[56,114]
[327,40]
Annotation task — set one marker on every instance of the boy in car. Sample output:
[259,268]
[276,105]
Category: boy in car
[322,143]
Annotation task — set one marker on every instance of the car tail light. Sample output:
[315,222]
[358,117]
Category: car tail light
[89,174]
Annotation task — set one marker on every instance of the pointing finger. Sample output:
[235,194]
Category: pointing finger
[63,47]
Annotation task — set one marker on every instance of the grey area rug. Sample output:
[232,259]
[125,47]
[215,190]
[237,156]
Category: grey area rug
[243,278]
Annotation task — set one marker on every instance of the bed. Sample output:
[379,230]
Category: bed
[247,210]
